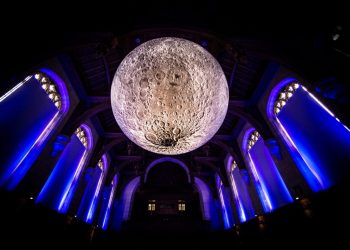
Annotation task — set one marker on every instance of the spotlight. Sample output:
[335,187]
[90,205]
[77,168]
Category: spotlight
[335,37]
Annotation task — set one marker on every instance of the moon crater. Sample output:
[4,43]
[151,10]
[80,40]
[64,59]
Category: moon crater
[169,96]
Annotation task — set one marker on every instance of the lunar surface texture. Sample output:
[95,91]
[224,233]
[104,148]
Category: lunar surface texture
[169,96]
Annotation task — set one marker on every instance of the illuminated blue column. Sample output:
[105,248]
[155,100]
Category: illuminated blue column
[27,116]
[216,208]
[94,178]
[38,175]
[105,196]
[242,199]
[271,188]
[121,208]
[209,207]
[226,208]
[108,195]
[60,186]
[320,143]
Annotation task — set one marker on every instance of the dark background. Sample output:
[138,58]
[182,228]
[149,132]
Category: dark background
[31,34]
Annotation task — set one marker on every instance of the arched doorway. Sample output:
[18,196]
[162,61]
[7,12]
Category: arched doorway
[167,200]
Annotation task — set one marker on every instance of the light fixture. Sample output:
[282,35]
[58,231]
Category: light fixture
[169,96]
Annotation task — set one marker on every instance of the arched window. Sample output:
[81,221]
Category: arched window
[284,96]
[241,196]
[50,88]
[107,201]
[271,188]
[94,178]
[225,204]
[28,114]
[168,159]
[59,188]
[317,140]
[205,197]
[128,197]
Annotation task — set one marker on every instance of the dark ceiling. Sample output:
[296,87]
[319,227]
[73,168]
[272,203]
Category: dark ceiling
[243,48]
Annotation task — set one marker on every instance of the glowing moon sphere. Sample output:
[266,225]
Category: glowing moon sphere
[169,96]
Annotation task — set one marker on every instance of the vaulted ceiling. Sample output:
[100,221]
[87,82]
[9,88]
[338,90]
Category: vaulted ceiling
[243,61]
[242,49]
[97,61]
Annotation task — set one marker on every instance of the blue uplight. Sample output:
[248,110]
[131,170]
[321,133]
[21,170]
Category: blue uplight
[27,132]
[55,192]
[261,188]
[272,190]
[205,196]
[97,188]
[225,204]
[318,142]
[239,204]
[109,203]
[317,137]
[58,190]
[128,196]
